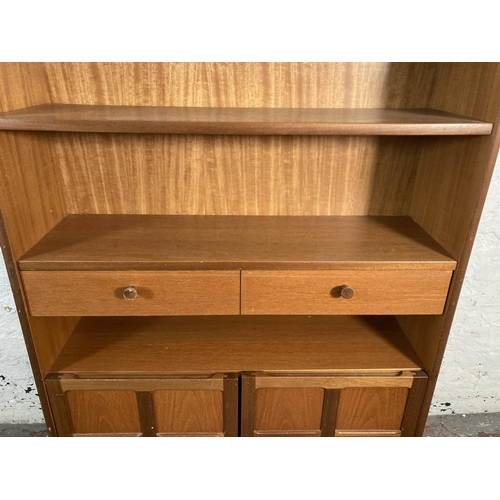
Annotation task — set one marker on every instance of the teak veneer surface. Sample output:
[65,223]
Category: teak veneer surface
[260,121]
[147,242]
[147,345]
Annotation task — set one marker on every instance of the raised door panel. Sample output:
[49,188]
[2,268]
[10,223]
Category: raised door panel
[288,410]
[112,412]
[378,410]
[194,413]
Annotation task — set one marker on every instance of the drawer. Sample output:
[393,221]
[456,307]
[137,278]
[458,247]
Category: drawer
[101,293]
[321,292]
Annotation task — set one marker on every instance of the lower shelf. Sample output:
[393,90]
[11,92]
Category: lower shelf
[230,376]
[234,344]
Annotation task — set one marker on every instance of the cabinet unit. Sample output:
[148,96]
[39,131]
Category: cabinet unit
[268,249]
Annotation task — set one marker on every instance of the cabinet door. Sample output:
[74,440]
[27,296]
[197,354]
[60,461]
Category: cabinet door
[328,405]
[190,406]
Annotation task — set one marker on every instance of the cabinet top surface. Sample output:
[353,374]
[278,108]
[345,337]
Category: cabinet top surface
[240,121]
[151,242]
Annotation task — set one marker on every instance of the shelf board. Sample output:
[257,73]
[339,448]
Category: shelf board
[196,242]
[240,121]
[146,345]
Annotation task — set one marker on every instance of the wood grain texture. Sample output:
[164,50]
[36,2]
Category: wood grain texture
[187,412]
[139,382]
[86,293]
[231,175]
[319,292]
[275,85]
[128,242]
[50,174]
[339,381]
[225,344]
[288,409]
[103,412]
[371,408]
[240,121]
[448,205]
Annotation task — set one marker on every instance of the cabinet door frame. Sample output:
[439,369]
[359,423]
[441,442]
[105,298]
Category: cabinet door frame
[332,384]
[58,384]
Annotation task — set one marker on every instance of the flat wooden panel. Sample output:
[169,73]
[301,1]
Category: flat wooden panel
[375,409]
[186,412]
[319,292]
[450,190]
[269,84]
[113,242]
[89,381]
[233,344]
[238,175]
[85,293]
[288,409]
[261,121]
[103,412]
[404,379]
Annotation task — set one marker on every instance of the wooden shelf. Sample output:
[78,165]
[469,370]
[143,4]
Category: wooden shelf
[188,242]
[132,346]
[248,121]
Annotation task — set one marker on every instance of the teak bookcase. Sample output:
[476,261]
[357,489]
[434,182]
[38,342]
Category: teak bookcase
[252,249]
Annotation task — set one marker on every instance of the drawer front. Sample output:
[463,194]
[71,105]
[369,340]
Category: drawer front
[101,293]
[321,292]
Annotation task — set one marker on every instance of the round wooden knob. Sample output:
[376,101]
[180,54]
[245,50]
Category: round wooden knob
[130,293]
[347,292]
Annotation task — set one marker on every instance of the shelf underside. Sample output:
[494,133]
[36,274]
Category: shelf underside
[168,345]
[247,121]
[185,242]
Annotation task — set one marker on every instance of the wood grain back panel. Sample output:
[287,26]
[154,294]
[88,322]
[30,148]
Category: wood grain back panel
[189,412]
[242,84]
[237,175]
[103,412]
